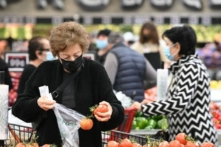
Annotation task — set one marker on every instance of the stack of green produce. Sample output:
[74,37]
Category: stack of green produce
[142,122]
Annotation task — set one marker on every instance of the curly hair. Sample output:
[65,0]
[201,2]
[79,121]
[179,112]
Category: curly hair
[67,34]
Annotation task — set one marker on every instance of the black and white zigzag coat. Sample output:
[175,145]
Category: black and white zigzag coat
[187,103]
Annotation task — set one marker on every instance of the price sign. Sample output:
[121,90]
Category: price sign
[159,20]
[128,20]
[31,20]
[1,19]
[193,20]
[57,20]
[141,19]
[175,20]
[88,20]
[206,20]
[106,20]
[6,20]
[16,61]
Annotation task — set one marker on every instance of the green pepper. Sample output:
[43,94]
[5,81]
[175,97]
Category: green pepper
[158,117]
[134,124]
[149,127]
[152,123]
[164,124]
[141,122]
[159,124]
[138,114]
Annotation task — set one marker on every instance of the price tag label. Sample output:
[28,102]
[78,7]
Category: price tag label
[158,20]
[206,20]
[141,19]
[193,20]
[128,20]
[175,20]
[88,20]
[16,61]
[6,20]
[57,20]
[1,19]
[106,20]
[31,20]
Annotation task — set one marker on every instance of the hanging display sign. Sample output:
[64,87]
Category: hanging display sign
[193,4]
[131,4]
[16,60]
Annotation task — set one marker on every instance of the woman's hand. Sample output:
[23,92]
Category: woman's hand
[103,117]
[136,105]
[45,103]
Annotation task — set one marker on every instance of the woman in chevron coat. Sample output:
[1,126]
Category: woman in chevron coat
[188,97]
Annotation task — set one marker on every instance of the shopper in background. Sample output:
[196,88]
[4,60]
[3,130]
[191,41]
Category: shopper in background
[128,70]
[129,38]
[188,97]
[3,64]
[69,41]
[150,45]
[4,67]
[3,44]
[37,51]
[102,45]
[211,56]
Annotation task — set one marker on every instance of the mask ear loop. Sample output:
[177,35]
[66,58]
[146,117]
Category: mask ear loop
[173,46]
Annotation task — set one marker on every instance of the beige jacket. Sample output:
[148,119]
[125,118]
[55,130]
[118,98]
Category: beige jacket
[149,48]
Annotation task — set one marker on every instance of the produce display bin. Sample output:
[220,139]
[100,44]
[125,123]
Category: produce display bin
[18,133]
[116,135]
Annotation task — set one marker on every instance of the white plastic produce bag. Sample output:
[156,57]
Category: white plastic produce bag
[68,121]
[125,100]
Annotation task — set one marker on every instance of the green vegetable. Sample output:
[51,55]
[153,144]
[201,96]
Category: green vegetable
[138,114]
[152,123]
[134,124]
[159,124]
[164,124]
[141,122]
[158,117]
[149,128]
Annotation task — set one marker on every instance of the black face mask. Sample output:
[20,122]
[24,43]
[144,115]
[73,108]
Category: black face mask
[72,66]
[146,38]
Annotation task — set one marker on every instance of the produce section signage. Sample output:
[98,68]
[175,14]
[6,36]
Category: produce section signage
[196,5]
[16,61]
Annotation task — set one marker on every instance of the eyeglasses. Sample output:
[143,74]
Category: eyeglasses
[45,49]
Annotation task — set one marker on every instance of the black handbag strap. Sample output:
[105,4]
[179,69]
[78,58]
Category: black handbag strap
[65,83]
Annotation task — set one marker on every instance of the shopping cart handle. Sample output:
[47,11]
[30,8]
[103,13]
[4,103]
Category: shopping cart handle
[130,109]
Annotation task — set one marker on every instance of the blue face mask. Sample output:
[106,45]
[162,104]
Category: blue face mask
[101,44]
[49,56]
[168,54]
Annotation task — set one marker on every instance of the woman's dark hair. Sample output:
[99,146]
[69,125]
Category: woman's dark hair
[185,36]
[33,45]
[153,33]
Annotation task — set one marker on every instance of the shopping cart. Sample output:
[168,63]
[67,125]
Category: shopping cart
[118,135]
[129,114]
[18,133]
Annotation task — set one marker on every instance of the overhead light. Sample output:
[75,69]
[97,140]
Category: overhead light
[58,4]
[3,4]
[41,4]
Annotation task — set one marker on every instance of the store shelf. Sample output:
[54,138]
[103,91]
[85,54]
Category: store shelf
[153,132]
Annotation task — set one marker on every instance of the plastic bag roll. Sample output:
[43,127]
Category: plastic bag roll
[162,78]
[4,112]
